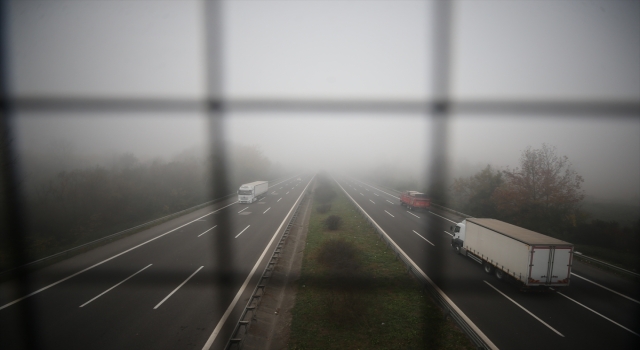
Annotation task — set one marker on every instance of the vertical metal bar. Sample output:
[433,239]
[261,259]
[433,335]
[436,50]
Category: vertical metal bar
[224,269]
[10,192]
[441,52]
[437,171]
[442,23]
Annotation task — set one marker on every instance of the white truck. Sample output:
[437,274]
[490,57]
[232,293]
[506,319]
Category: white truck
[533,259]
[251,192]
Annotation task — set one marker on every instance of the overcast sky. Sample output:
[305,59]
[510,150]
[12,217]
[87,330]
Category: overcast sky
[342,50]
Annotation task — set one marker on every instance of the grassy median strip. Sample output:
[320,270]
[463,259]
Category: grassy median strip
[354,294]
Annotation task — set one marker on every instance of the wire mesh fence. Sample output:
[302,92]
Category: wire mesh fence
[438,108]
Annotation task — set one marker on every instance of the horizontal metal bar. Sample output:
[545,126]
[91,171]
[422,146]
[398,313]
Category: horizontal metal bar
[107,104]
[495,106]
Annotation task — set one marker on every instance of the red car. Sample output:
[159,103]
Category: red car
[415,200]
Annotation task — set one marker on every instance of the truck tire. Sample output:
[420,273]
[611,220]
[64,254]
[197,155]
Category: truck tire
[488,268]
[458,249]
[499,274]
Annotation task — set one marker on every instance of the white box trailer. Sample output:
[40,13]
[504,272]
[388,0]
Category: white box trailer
[251,192]
[533,259]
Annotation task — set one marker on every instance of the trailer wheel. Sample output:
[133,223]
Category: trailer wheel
[457,247]
[499,274]
[488,268]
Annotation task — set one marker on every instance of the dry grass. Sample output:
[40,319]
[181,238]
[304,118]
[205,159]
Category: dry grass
[354,294]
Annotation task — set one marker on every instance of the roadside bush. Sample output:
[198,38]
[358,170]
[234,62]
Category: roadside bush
[323,208]
[333,222]
[324,193]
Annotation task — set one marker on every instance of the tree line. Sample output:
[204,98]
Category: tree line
[76,206]
[543,194]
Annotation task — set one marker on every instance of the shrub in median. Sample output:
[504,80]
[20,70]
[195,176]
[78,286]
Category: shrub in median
[333,222]
[324,193]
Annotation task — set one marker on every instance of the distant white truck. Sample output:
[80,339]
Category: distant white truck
[533,259]
[251,192]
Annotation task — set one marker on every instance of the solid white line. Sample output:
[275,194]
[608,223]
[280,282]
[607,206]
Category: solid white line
[372,201]
[242,231]
[414,231]
[105,292]
[599,314]
[413,214]
[266,210]
[527,311]
[276,184]
[278,200]
[207,230]
[243,210]
[448,233]
[113,257]
[222,321]
[389,214]
[442,217]
[611,290]
[378,189]
[424,275]
[389,201]
[175,290]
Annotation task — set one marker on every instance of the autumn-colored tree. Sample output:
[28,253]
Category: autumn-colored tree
[543,194]
[473,195]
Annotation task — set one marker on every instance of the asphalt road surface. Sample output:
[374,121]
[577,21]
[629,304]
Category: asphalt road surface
[179,285]
[597,311]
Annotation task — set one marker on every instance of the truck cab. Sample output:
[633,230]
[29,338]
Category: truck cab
[457,241]
[245,194]
[251,192]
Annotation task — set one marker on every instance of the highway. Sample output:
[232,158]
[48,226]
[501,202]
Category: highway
[597,311]
[179,285]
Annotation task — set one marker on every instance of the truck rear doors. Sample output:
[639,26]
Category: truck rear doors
[550,265]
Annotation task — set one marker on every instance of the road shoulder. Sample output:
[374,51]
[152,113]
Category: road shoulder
[270,327]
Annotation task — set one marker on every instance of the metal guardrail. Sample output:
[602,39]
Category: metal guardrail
[451,210]
[577,254]
[470,329]
[607,265]
[433,204]
[95,243]
[99,241]
[244,323]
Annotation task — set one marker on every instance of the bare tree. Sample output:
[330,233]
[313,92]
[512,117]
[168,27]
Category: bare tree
[544,193]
